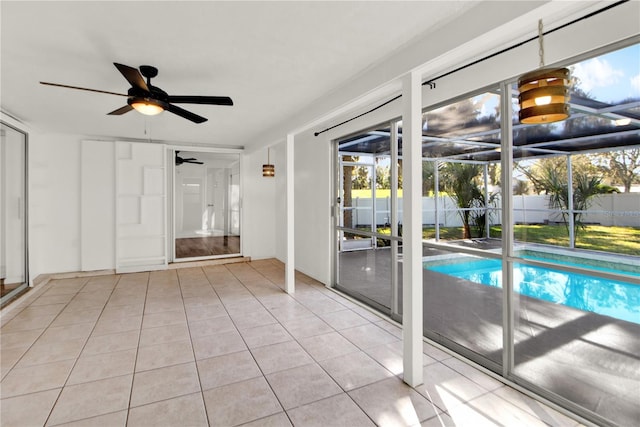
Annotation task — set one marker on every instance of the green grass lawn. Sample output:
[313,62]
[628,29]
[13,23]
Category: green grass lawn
[619,240]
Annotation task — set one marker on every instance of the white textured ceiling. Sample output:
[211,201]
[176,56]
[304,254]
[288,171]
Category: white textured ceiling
[272,58]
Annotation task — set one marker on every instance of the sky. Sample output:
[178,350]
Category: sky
[611,77]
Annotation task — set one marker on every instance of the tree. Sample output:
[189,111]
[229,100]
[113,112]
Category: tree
[622,166]
[428,178]
[549,177]
[460,181]
[520,187]
[347,187]
[383,177]
[360,177]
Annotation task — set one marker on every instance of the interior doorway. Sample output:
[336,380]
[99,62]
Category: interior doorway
[206,205]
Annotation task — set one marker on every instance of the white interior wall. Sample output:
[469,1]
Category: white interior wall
[3,191]
[313,200]
[259,206]
[97,205]
[54,203]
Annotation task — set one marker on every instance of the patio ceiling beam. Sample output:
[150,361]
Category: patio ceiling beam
[582,139]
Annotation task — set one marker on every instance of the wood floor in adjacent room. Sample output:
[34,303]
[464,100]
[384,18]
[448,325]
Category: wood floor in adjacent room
[207,246]
[5,288]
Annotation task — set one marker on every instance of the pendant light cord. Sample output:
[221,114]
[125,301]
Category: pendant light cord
[541,43]
[432,82]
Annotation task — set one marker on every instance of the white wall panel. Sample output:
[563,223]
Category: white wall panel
[97,205]
[54,203]
[140,207]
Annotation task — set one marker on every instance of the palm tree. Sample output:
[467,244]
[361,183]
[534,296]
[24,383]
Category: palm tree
[460,181]
[552,181]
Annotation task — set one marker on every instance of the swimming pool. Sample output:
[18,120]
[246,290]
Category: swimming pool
[608,297]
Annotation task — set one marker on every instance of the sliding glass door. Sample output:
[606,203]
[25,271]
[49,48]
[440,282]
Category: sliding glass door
[530,236]
[13,212]
[206,205]
[367,224]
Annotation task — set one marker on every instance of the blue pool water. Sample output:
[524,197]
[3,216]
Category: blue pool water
[611,298]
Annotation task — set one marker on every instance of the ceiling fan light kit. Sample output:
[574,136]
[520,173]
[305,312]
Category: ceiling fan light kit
[146,106]
[151,100]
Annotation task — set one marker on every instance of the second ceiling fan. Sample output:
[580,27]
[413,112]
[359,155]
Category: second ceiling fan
[150,100]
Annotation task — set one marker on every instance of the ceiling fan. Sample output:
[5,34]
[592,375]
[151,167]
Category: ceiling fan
[151,100]
[180,160]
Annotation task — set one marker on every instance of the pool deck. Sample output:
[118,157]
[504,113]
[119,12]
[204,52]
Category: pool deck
[587,358]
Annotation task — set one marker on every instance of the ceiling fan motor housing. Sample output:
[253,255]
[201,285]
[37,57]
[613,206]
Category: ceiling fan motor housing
[148,71]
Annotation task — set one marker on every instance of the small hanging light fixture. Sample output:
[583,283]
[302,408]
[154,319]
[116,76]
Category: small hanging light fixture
[268,170]
[544,93]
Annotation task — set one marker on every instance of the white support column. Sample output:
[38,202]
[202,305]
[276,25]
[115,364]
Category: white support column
[412,229]
[436,196]
[487,225]
[393,219]
[290,265]
[506,182]
[570,207]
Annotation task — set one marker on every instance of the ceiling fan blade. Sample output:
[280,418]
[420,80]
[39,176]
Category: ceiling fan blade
[121,110]
[83,88]
[209,100]
[133,76]
[185,114]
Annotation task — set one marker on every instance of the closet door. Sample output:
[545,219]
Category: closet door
[141,243]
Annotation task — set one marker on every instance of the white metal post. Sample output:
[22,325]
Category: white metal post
[412,228]
[393,218]
[436,196]
[508,305]
[290,265]
[486,201]
[570,207]
[374,211]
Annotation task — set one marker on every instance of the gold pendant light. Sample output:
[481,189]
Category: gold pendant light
[544,93]
[268,170]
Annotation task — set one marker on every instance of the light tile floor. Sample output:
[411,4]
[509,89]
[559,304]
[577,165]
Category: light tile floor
[224,345]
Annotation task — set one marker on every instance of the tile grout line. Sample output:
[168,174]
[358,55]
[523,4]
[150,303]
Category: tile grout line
[193,349]
[44,330]
[312,358]
[264,377]
[83,346]
[363,351]
[135,362]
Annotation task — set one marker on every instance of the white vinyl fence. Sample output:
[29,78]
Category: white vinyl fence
[621,209]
